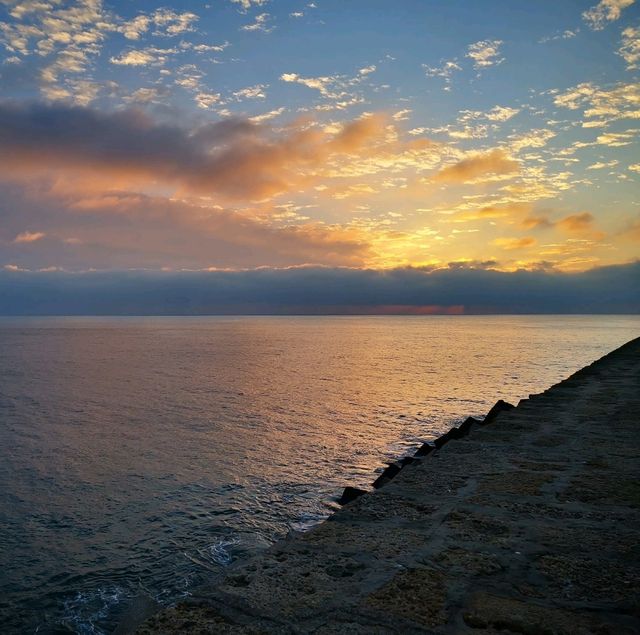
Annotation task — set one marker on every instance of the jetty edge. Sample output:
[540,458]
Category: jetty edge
[528,524]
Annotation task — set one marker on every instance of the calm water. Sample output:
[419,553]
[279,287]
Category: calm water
[145,454]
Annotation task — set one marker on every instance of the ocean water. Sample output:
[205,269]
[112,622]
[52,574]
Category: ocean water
[143,455]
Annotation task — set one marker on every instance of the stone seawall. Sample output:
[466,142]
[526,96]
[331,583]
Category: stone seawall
[526,524]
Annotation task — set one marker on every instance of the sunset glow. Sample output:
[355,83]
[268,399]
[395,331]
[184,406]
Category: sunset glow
[255,133]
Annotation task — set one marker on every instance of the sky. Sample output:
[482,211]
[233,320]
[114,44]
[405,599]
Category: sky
[372,136]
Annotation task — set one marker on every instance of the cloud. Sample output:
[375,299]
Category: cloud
[581,224]
[617,139]
[475,124]
[478,165]
[144,57]
[260,23]
[445,71]
[537,222]
[631,231]
[470,213]
[310,290]
[606,105]
[336,88]
[485,53]
[167,23]
[605,11]
[321,84]
[565,35]
[207,100]
[501,113]
[514,243]
[402,115]
[367,70]
[146,95]
[272,114]
[600,165]
[120,229]
[64,38]
[245,5]
[251,92]
[234,158]
[630,47]
[135,28]
[28,237]
[170,23]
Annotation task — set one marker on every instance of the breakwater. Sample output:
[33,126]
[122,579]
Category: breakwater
[526,522]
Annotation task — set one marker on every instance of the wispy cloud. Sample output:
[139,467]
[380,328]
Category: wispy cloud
[245,5]
[445,71]
[630,47]
[511,244]
[485,53]
[602,105]
[567,34]
[478,166]
[143,57]
[260,23]
[251,92]
[605,11]
[28,237]
[165,22]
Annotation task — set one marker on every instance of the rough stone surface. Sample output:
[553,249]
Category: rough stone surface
[527,525]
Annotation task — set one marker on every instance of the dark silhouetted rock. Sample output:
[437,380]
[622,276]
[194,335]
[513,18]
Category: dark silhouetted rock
[425,449]
[350,494]
[500,406]
[467,424]
[407,460]
[445,438]
[387,474]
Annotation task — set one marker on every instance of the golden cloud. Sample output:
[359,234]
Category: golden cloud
[514,243]
[477,166]
[234,158]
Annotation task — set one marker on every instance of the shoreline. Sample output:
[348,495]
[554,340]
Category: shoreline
[469,533]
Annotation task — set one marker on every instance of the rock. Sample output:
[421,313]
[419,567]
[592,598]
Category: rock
[440,441]
[454,433]
[350,494]
[407,460]
[486,611]
[500,406]
[388,473]
[425,449]
[467,424]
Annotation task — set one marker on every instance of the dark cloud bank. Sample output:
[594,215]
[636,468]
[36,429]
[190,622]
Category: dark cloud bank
[614,289]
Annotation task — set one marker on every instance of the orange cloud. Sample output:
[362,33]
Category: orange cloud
[28,237]
[581,223]
[234,158]
[514,243]
[495,162]
[536,222]
[357,133]
[495,211]
[128,229]
[576,223]
[631,231]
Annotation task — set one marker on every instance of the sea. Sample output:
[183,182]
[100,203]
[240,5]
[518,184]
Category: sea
[140,456]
